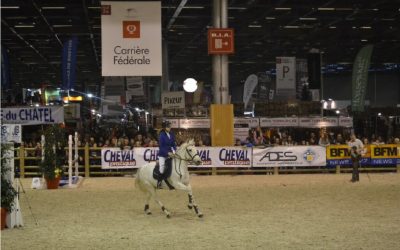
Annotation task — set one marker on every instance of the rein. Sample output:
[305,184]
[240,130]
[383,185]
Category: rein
[178,170]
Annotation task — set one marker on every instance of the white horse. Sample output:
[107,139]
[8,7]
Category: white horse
[179,178]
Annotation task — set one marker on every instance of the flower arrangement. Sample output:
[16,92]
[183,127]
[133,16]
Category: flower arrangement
[54,153]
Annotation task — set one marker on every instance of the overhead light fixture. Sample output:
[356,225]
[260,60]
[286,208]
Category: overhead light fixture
[94,7]
[364,40]
[339,9]
[193,7]
[62,25]
[53,8]
[9,7]
[365,27]
[307,18]
[237,8]
[328,9]
[332,27]
[24,26]
[254,26]
[291,27]
[388,19]
[190,85]
[270,18]
[282,8]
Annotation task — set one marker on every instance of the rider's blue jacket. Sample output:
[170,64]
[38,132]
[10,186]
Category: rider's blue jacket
[166,143]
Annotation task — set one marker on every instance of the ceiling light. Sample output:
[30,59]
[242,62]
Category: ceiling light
[332,27]
[326,8]
[364,40]
[193,7]
[190,85]
[237,8]
[270,18]
[388,19]
[307,18]
[9,7]
[24,26]
[365,27]
[375,9]
[343,9]
[62,25]
[281,8]
[354,27]
[94,7]
[291,27]
[254,26]
[53,8]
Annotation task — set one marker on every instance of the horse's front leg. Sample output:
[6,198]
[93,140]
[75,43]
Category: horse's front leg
[192,203]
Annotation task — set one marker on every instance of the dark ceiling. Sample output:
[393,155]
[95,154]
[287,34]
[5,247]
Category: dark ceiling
[33,32]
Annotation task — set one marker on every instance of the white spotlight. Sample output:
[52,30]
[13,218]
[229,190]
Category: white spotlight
[190,85]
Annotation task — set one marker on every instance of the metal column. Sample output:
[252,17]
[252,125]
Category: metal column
[220,71]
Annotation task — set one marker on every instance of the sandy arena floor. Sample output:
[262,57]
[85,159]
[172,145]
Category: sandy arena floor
[241,212]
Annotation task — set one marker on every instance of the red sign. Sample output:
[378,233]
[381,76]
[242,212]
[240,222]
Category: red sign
[220,41]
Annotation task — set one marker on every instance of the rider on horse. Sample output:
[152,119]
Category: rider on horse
[167,147]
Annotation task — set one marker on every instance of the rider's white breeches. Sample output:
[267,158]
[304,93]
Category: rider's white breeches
[162,163]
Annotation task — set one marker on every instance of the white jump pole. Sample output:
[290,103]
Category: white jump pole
[76,156]
[70,160]
[42,141]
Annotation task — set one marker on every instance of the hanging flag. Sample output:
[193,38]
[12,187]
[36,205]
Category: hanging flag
[5,67]
[69,63]
[360,77]
[249,86]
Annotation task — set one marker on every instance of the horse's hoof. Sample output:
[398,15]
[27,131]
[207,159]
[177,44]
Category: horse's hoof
[148,213]
[200,215]
[190,206]
[168,216]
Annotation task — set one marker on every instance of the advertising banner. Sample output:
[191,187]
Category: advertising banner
[346,122]
[286,75]
[131,38]
[386,154]
[115,158]
[318,122]
[249,86]
[231,157]
[11,133]
[340,155]
[360,77]
[173,100]
[300,156]
[279,122]
[194,123]
[33,115]
[69,63]
[145,155]
[252,122]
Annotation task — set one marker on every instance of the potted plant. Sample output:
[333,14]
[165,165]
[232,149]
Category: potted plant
[8,192]
[54,155]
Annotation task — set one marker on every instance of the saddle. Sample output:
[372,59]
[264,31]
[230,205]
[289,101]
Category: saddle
[167,173]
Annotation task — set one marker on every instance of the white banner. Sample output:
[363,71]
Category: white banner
[286,73]
[33,115]
[318,122]
[134,84]
[131,38]
[172,100]
[11,133]
[346,122]
[279,122]
[231,156]
[174,123]
[194,123]
[301,156]
[252,122]
[115,158]
[249,86]
[145,155]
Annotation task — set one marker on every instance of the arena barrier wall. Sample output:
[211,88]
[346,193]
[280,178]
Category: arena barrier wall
[295,159]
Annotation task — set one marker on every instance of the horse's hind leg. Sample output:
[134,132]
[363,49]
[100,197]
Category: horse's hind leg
[146,205]
[154,195]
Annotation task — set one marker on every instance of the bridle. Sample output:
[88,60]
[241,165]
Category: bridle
[178,157]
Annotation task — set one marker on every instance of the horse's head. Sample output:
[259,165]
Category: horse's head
[191,153]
